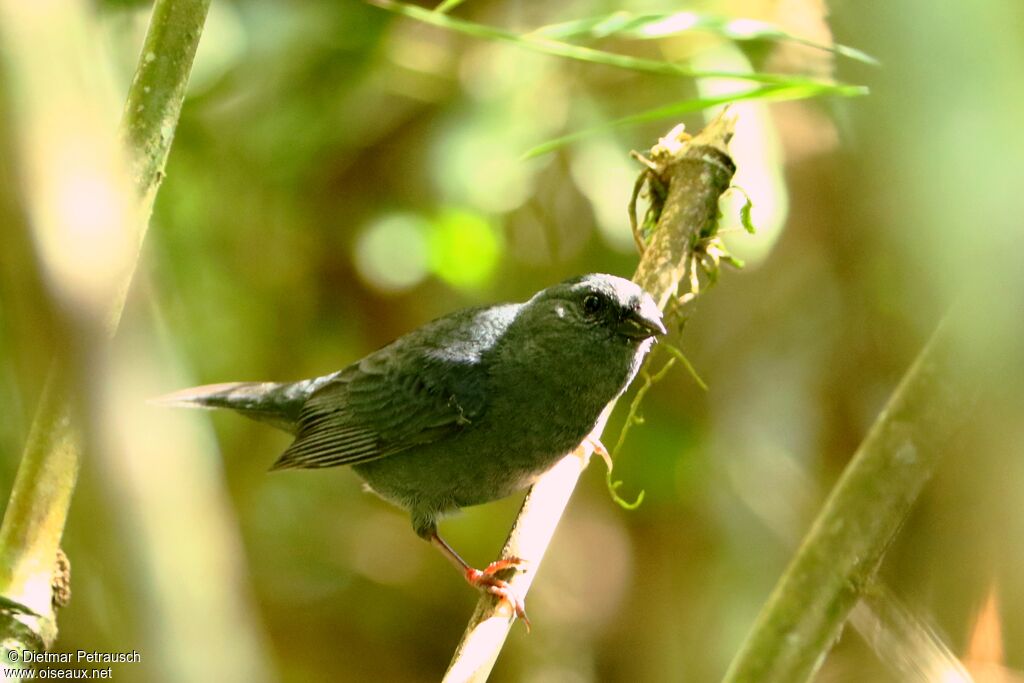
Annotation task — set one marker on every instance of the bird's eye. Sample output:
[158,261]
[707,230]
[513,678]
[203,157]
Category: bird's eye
[592,304]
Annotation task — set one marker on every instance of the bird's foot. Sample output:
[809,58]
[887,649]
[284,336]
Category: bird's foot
[513,562]
[486,581]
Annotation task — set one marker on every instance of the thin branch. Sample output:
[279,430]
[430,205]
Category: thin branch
[839,556]
[88,206]
[696,173]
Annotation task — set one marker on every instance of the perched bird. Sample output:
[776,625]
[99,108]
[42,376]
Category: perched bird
[467,409]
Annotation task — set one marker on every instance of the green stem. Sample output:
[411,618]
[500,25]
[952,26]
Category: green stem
[37,510]
[41,37]
[154,101]
[839,556]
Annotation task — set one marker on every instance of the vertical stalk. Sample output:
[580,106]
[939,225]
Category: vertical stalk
[88,204]
[154,101]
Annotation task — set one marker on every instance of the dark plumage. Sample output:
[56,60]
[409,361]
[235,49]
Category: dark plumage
[468,408]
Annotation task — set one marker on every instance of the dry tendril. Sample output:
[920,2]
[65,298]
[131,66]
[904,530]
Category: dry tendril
[707,254]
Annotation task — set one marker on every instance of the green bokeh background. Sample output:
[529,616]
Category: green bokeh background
[341,176]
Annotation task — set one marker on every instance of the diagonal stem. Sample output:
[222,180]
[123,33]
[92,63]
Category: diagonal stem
[867,507]
[696,176]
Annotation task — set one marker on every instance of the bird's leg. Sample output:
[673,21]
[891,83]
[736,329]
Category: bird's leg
[485,579]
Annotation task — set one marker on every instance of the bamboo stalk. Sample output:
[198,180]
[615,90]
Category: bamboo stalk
[839,556]
[88,203]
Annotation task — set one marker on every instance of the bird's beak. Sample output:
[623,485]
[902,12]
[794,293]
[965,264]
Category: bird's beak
[642,321]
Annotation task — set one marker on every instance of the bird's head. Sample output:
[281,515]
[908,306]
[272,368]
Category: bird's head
[602,305]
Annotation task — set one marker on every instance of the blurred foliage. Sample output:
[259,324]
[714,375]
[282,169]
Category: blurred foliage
[342,175]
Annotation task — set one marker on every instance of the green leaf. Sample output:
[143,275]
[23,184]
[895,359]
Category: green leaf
[652,26]
[795,91]
[748,206]
[448,5]
[616,23]
[578,52]
[745,220]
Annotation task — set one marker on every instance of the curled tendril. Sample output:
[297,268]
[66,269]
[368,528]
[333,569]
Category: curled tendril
[707,253]
[634,418]
[622,502]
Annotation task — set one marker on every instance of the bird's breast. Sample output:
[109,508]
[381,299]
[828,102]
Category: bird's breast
[552,405]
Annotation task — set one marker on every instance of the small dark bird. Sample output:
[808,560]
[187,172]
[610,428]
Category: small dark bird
[467,409]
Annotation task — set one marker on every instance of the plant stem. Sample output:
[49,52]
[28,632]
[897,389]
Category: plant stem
[87,242]
[696,177]
[839,556]
[36,512]
[157,92]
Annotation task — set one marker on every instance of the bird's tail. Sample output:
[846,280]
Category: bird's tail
[279,404]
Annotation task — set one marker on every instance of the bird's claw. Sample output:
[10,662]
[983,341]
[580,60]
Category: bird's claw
[516,563]
[588,447]
[489,583]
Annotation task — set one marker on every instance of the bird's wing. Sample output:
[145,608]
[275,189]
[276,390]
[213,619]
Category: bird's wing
[422,388]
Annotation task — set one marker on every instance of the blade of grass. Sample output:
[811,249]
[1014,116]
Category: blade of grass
[654,26]
[448,5]
[773,93]
[578,52]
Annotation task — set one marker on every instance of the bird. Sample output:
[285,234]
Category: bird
[467,409]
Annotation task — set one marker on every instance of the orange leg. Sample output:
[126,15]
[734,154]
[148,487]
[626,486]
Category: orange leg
[486,580]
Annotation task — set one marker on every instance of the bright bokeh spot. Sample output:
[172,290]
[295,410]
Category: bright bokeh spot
[748,28]
[519,99]
[479,165]
[759,160]
[676,23]
[391,253]
[464,248]
[83,238]
[605,175]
